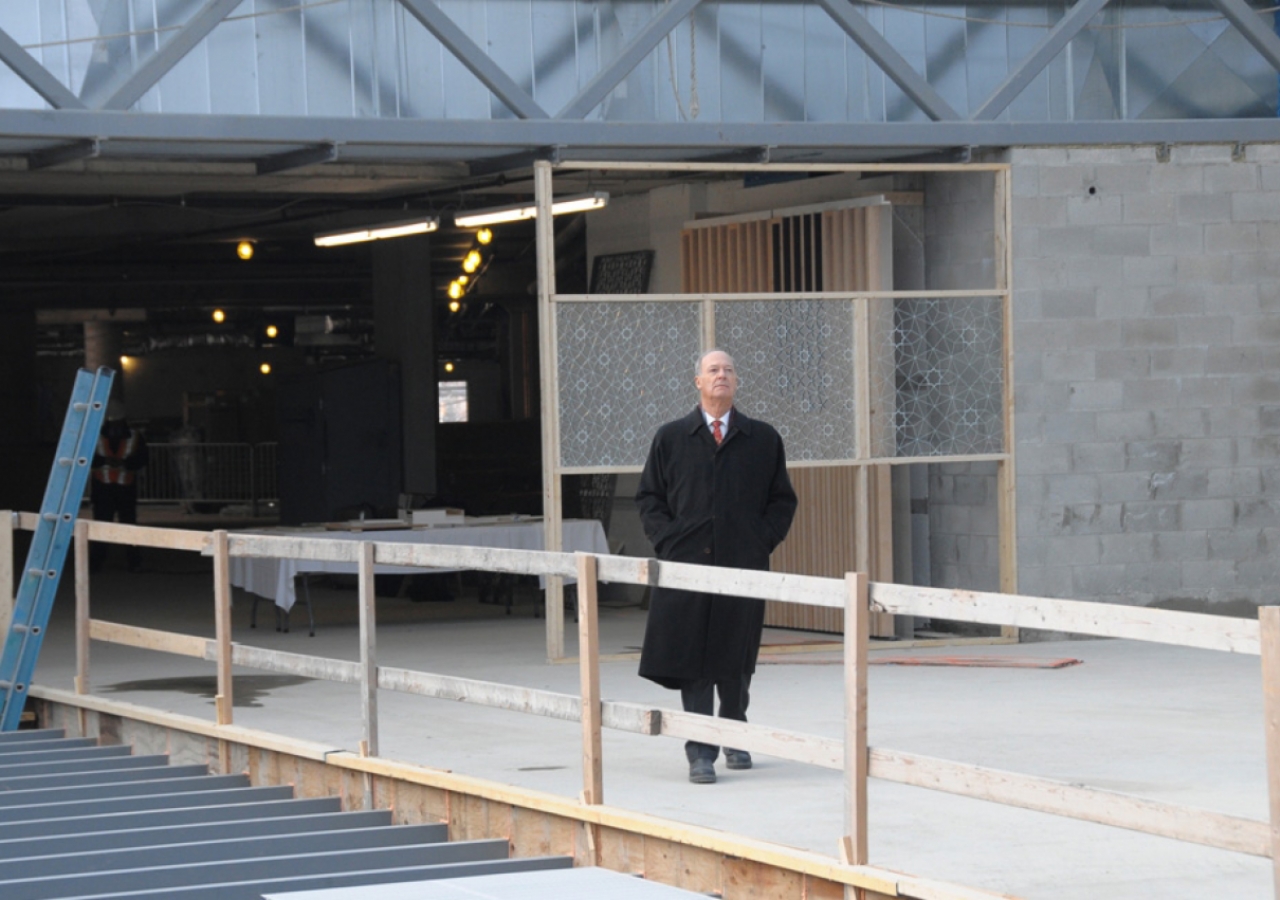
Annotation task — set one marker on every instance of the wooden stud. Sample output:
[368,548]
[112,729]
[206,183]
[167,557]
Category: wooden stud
[1006,471]
[544,230]
[589,675]
[6,569]
[81,558]
[1269,625]
[855,717]
[368,649]
[222,620]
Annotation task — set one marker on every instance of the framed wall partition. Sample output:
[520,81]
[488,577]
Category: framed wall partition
[858,377]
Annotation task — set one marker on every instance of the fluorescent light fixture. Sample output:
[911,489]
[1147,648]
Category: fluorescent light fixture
[378,232]
[521,211]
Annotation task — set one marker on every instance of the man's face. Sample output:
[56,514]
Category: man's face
[717,382]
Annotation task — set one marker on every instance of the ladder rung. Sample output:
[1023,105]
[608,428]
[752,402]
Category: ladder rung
[79,407]
[64,460]
[41,573]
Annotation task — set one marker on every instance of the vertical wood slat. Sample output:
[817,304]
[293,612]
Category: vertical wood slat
[1269,623]
[552,514]
[81,562]
[366,586]
[6,570]
[589,677]
[854,844]
[1006,483]
[222,625]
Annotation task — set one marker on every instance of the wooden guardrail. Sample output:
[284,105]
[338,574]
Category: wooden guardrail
[853,594]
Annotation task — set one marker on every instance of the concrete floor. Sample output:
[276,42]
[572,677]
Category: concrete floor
[1171,724]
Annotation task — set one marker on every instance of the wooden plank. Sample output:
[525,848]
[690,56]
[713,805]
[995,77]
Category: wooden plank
[589,676]
[1161,626]
[368,650]
[149,639]
[804,748]
[728,582]
[856,632]
[146,536]
[1006,480]
[338,670]
[483,693]
[762,293]
[7,518]
[1269,625]
[222,623]
[81,558]
[1182,823]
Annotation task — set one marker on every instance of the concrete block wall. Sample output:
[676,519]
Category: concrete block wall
[1147,374]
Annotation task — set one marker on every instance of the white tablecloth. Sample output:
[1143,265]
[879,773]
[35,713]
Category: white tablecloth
[274,578]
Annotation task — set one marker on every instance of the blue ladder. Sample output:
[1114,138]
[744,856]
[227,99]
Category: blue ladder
[53,535]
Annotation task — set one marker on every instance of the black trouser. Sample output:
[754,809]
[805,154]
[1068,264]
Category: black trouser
[698,696]
[110,502]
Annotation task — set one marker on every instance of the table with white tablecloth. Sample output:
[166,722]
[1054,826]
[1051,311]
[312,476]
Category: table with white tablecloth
[274,578]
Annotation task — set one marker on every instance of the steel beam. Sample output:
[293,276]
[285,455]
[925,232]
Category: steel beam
[1256,31]
[1050,46]
[511,162]
[37,77]
[403,139]
[168,56]
[478,62]
[630,56]
[89,148]
[890,61]
[296,159]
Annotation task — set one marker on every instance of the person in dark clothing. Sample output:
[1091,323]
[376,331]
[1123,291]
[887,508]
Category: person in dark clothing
[714,491]
[120,454]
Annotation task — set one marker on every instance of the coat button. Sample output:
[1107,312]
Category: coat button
[706,549]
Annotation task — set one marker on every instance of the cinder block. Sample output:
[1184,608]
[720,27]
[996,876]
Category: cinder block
[1151,393]
[1039,156]
[1225,179]
[1129,548]
[1176,546]
[1181,423]
[1242,360]
[1044,211]
[973,490]
[1201,153]
[1250,390]
[1256,329]
[1207,515]
[1166,361]
[1150,209]
[1232,422]
[1043,459]
[1152,456]
[1062,490]
[1069,303]
[1098,334]
[1125,425]
[1209,453]
[1256,512]
[1122,240]
[1123,487]
[1076,550]
[1154,580]
[1046,581]
[1068,427]
[1066,180]
[1025,181]
[1231,237]
[1203,208]
[1269,296]
[1261,451]
[1202,575]
[1236,544]
[1132,363]
[1142,271]
[1254,207]
[1095,209]
[1170,179]
[1102,582]
[1039,398]
[1236,299]
[1180,485]
[1106,456]
[1043,273]
[1186,298]
[1120,301]
[1149,333]
[1269,419]
[1248,268]
[1091,518]
[1096,395]
[1204,331]
[1118,156]
[1067,364]
[1097,273]
[1212,270]
[1177,240]
[1141,516]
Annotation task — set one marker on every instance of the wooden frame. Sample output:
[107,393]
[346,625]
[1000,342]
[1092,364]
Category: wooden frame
[874,479]
[854,594]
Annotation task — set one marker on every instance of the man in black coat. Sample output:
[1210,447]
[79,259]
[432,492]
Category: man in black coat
[714,491]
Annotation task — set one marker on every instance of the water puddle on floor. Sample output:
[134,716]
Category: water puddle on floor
[248,689]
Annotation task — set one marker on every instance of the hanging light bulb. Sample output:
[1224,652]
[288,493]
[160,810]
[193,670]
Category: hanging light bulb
[463,279]
[455,290]
[471,261]
[244,250]
[219,316]
[454,306]
[272,331]
[265,368]
[448,367]
[484,235]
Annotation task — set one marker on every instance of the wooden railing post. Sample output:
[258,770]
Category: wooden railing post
[82,605]
[1269,623]
[368,651]
[589,673]
[853,846]
[222,623]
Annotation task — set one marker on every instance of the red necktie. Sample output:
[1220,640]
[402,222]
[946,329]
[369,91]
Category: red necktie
[715,430]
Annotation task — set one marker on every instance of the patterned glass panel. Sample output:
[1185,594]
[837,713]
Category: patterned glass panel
[949,376]
[625,368]
[795,368]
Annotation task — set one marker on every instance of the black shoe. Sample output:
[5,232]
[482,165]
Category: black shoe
[737,759]
[702,771]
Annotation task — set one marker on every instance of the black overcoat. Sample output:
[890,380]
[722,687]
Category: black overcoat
[727,505]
